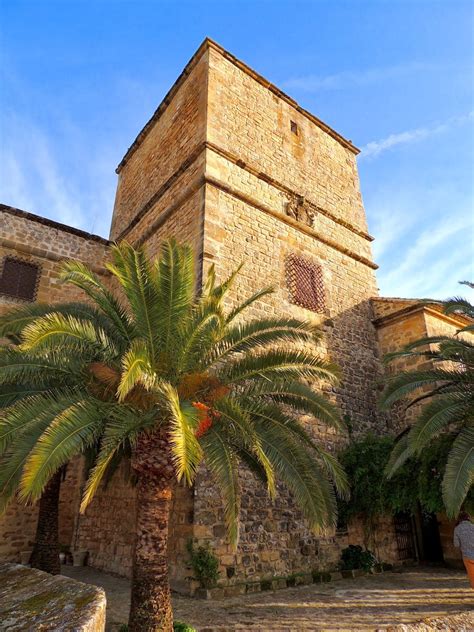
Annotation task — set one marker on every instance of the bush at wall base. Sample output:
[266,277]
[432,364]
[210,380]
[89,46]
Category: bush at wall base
[354,557]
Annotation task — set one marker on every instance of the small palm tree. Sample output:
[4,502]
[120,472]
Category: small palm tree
[24,374]
[180,380]
[447,386]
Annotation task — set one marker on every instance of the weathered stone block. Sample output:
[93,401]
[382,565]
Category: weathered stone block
[33,600]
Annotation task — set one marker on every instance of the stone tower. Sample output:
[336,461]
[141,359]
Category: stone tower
[235,167]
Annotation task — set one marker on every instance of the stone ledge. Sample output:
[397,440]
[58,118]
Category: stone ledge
[272,584]
[33,600]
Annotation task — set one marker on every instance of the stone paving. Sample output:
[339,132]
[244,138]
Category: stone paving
[418,599]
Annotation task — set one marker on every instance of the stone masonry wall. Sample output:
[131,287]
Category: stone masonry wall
[255,166]
[46,244]
[230,202]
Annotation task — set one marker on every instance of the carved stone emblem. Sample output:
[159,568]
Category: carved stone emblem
[299,209]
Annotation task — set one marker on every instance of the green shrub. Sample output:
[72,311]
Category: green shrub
[179,626]
[291,580]
[266,584]
[354,557]
[205,565]
[417,484]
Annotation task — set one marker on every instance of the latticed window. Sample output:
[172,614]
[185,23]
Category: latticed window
[19,279]
[305,283]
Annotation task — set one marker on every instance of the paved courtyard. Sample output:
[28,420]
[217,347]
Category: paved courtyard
[416,599]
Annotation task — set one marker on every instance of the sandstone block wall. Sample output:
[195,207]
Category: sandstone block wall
[46,244]
[255,167]
[167,145]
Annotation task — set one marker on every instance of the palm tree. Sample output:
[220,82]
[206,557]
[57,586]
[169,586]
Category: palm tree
[22,375]
[181,380]
[446,389]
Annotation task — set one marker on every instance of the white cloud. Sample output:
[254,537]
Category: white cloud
[431,264]
[36,176]
[351,79]
[376,147]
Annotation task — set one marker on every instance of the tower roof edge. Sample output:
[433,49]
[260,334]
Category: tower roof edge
[204,46]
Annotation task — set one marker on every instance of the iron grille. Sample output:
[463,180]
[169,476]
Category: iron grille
[404,535]
[19,279]
[305,283]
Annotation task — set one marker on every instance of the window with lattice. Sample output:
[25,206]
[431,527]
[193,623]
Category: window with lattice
[305,283]
[19,279]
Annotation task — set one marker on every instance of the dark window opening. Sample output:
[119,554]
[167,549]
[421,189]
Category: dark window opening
[19,279]
[341,527]
[294,127]
[305,283]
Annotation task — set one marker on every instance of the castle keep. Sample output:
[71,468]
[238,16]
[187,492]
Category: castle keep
[233,166]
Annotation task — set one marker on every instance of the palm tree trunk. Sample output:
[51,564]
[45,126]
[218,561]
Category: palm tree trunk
[151,598]
[45,555]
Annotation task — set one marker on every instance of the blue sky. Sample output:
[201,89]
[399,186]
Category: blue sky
[80,78]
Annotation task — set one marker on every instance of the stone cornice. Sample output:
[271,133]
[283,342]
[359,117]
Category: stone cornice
[417,308]
[285,189]
[288,220]
[206,44]
[184,166]
[194,155]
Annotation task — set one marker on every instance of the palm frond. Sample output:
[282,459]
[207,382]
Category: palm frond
[137,280]
[220,290]
[136,368]
[56,329]
[298,396]
[404,383]
[241,307]
[21,426]
[269,414]
[302,475]
[400,454]
[185,447]
[239,424]
[18,367]
[198,336]
[277,363]
[76,273]
[72,429]
[459,474]
[460,305]
[175,285]
[221,462]
[252,335]
[14,321]
[123,427]
[434,418]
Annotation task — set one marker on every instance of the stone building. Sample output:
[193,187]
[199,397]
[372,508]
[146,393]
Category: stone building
[235,167]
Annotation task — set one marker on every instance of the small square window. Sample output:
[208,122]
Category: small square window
[19,279]
[294,127]
[305,283]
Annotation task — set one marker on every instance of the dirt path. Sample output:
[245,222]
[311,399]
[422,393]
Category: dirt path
[441,599]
